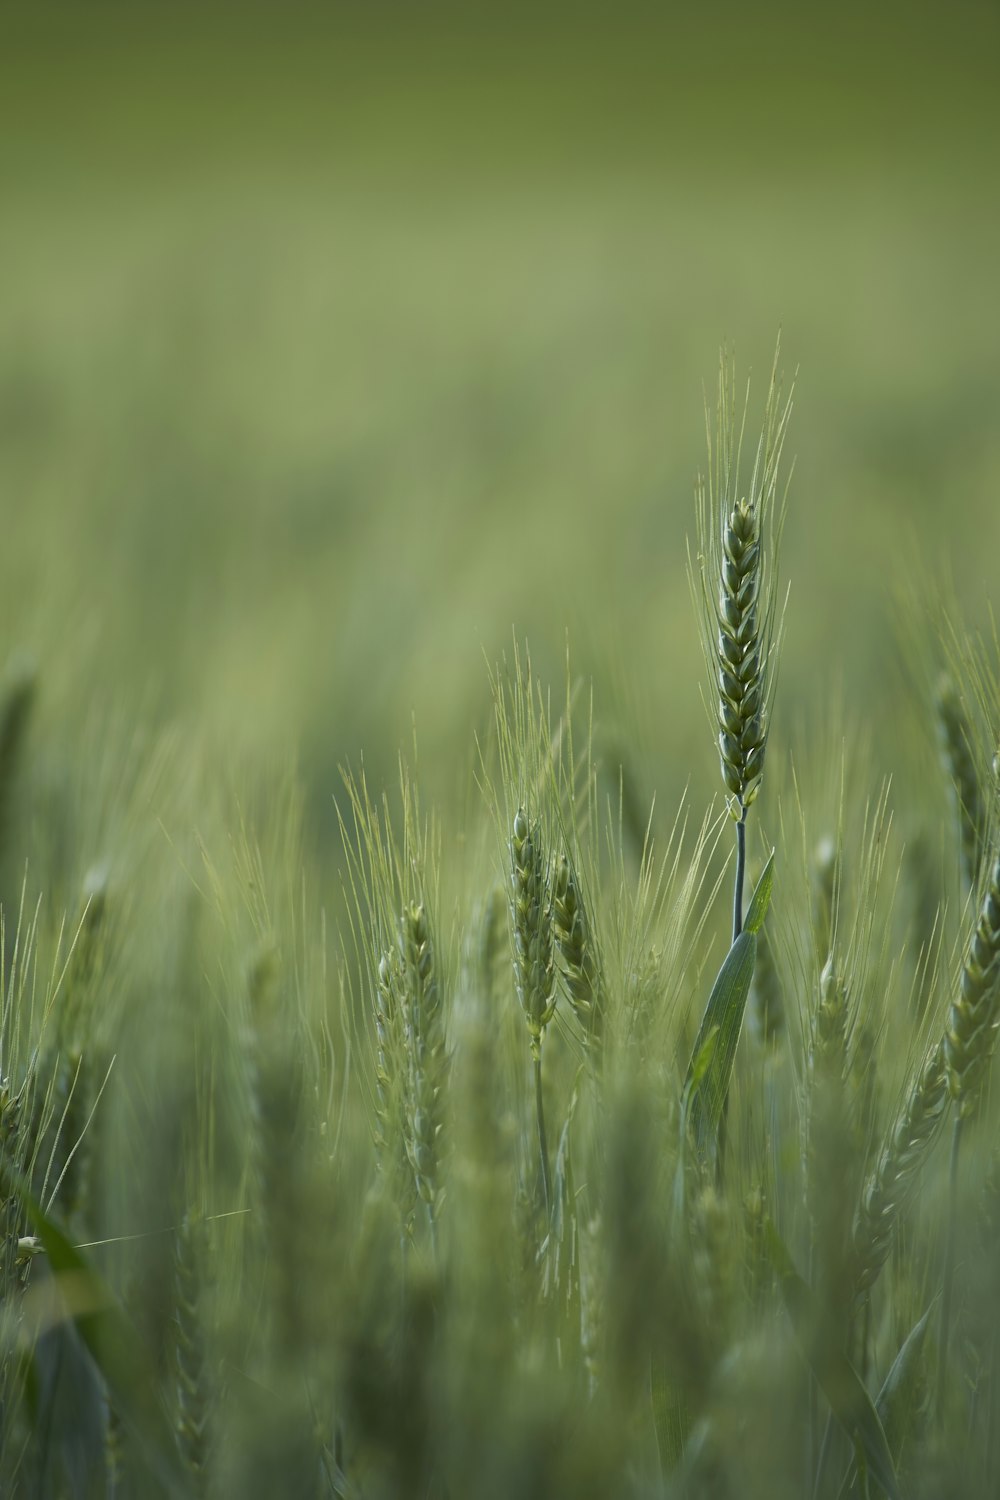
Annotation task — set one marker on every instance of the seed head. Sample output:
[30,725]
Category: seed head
[576,949]
[531,907]
[975,1012]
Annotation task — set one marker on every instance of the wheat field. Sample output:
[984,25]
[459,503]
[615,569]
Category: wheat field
[499,756]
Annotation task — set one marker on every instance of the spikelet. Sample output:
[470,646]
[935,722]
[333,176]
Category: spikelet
[975,1012]
[531,907]
[577,951]
[894,1175]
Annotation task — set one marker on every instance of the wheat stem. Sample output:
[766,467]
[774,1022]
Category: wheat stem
[741,865]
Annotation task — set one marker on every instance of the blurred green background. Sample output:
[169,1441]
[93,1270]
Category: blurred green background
[337,345]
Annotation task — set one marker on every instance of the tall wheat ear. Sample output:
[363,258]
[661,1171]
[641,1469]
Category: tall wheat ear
[739,526]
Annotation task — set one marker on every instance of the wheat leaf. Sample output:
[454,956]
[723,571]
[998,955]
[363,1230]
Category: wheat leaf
[761,899]
[839,1381]
[113,1345]
[707,1083]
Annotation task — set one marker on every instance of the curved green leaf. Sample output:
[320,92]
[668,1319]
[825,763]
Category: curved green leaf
[894,1402]
[91,1307]
[761,898]
[706,1086]
[820,1342]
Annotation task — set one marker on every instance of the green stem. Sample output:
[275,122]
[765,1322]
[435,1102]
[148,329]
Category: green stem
[949,1264]
[741,865]
[542,1147]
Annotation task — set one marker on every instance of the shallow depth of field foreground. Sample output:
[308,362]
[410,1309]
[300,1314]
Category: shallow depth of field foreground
[499,757]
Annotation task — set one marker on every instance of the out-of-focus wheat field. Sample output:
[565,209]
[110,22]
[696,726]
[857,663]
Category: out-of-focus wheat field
[354,365]
[336,347]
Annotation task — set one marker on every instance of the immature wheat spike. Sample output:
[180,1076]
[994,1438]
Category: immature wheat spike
[741,708]
[828,1051]
[534,969]
[576,948]
[827,1147]
[894,1174]
[391,1090]
[975,1012]
[427,1061]
[956,741]
[193,1391]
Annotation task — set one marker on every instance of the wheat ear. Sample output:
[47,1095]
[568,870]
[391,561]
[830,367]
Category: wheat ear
[894,1175]
[968,1046]
[738,537]
[534,967]
[975,1012]
[193,1388]
[390,1091]
[427,1059]
[577,951]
